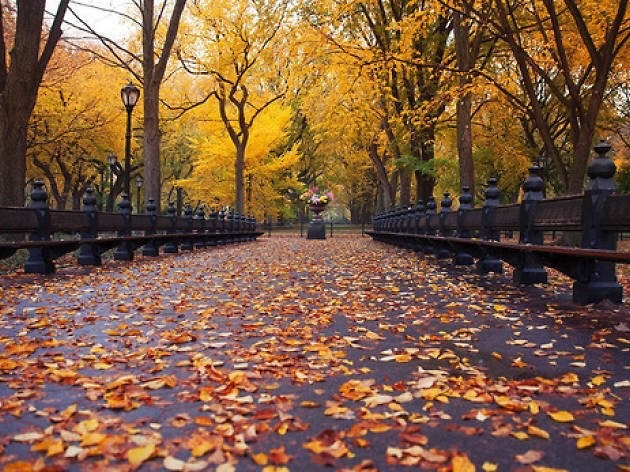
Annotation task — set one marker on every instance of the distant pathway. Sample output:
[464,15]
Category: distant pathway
[305,354]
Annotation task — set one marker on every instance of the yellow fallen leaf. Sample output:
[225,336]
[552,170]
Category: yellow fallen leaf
[92,439]
[137,455]
[585,441]
[50,445]
[598,380]
[68,412]
[86,426]
[561,416]
[521,435]
[462,464]
[122,380]
[489,467]
[536,431]
[569,378]
[260,458]
[55,447]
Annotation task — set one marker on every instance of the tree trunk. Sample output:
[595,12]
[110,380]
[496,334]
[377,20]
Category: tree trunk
[405,187]
[388,193]
[19,82]
[12,155]
[426,182]
[466,50]
[581,153]
[239,171]
[151,144]
[153,74]
[464,143]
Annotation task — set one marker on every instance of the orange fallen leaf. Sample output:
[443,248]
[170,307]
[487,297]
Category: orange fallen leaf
[279,456]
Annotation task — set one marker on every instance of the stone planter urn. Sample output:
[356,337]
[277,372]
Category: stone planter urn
[316,227]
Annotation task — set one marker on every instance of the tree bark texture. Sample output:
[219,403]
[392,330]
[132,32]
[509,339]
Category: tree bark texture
[20,79]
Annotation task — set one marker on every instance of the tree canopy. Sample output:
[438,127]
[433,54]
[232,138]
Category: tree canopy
[383,101]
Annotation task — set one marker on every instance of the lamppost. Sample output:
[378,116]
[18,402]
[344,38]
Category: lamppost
[112,160]
[139,182]
[129,95]
[542,160]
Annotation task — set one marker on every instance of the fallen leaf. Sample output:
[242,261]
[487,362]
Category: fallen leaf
[529,457]
[585,441]
[561,416]
[462,464]
[137,455]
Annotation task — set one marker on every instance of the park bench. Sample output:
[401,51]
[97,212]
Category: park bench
[54,233]
[474,234]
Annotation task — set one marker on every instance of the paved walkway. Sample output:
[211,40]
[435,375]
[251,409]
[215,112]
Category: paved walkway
[296,354]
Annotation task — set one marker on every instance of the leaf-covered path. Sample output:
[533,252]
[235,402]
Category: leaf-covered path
[288,354]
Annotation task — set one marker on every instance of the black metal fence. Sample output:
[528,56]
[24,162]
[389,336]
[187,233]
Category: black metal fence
[300,227]
[474,234]
[93,232]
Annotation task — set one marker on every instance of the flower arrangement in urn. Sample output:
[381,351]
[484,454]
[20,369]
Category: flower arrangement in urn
[316,198]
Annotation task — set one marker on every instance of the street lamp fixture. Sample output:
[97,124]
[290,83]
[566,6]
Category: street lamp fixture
[129,95]
[139,182]
[112,159]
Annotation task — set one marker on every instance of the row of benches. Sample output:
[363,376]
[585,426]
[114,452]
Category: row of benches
[470,234]
[93,233]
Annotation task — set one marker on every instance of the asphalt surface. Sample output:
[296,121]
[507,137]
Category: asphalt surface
[343,354]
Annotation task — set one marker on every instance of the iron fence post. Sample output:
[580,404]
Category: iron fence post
[39,258]
[88,252]
[599,280]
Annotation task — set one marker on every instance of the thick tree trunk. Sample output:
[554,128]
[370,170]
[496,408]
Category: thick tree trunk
[465,61]
[151,144]
[388,193]
[12,156]
[405,187]
[153,74]
[581,153]
[19,81]
[464,143]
